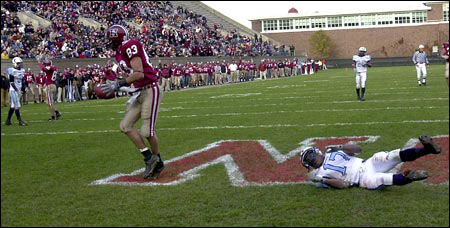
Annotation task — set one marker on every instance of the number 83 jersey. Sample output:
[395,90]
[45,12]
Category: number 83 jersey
[129,50]
[339,165]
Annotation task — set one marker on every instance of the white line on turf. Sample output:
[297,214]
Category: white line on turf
[248,113]
[239,127]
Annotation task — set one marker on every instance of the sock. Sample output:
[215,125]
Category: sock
[10,113]
[18,115]
[159,156]
[358,93]
[363,91]
[147,153]
[412,154]
[399,179]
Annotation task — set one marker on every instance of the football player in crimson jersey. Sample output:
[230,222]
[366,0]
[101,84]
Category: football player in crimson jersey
[50,78]
[145,101]
[178,72]
[30,78]
[444,55]
[40,82]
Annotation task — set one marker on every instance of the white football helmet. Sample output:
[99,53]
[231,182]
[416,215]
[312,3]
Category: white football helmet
[362,49]
[17,61]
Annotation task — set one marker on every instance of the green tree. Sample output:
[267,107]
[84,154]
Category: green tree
[321,44]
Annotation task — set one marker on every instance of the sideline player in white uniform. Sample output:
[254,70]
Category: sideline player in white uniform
[340,169]
[16,75]
[420,59]
[360,64]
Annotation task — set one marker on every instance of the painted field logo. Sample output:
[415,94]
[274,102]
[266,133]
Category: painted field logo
[247,163]
[258,163]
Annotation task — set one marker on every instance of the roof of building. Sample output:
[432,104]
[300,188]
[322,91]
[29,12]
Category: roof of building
[348,11]
[293,10]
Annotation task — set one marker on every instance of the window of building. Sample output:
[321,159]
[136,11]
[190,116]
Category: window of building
[367,20]
[318,22]
[419,17]
[385,19]
[270,25]
[445,9]
[334,22]
[404,18]
[351,21]
[301,23]
[286,24]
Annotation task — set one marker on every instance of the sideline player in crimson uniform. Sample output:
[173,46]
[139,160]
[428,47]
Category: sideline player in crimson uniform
[50,78]
[30,78]
[444,55]
[40,83]
[145,101]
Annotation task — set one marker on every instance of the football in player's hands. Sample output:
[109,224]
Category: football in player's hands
[100,94]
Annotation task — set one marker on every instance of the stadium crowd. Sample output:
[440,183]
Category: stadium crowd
[77,84]
[165,31]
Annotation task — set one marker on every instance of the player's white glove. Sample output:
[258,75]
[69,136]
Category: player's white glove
[110,88]
[113,87]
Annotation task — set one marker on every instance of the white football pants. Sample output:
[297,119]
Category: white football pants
[361,78]
[374,171]
[421,73]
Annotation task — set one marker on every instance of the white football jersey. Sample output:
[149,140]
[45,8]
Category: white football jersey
[361,62]
[339,165]
[18,75]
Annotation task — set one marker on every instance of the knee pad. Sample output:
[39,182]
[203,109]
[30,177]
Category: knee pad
[379,182]
[144,133]
[394,156]
[124,128]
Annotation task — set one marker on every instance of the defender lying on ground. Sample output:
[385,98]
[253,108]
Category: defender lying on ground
[340,169]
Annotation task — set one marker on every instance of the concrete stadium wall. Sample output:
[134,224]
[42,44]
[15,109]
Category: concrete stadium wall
[337,63]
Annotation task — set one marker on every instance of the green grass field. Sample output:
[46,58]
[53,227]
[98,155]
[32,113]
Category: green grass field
[46,173]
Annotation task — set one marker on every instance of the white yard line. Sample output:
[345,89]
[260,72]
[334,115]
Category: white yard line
[239,127]
[241,113]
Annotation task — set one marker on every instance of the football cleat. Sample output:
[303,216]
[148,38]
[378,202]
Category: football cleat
[157,171]
[416,175]
[150,166]
[429,145]
[363,98]
[8,122]
[58,115]
[21,123]
[51,119]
